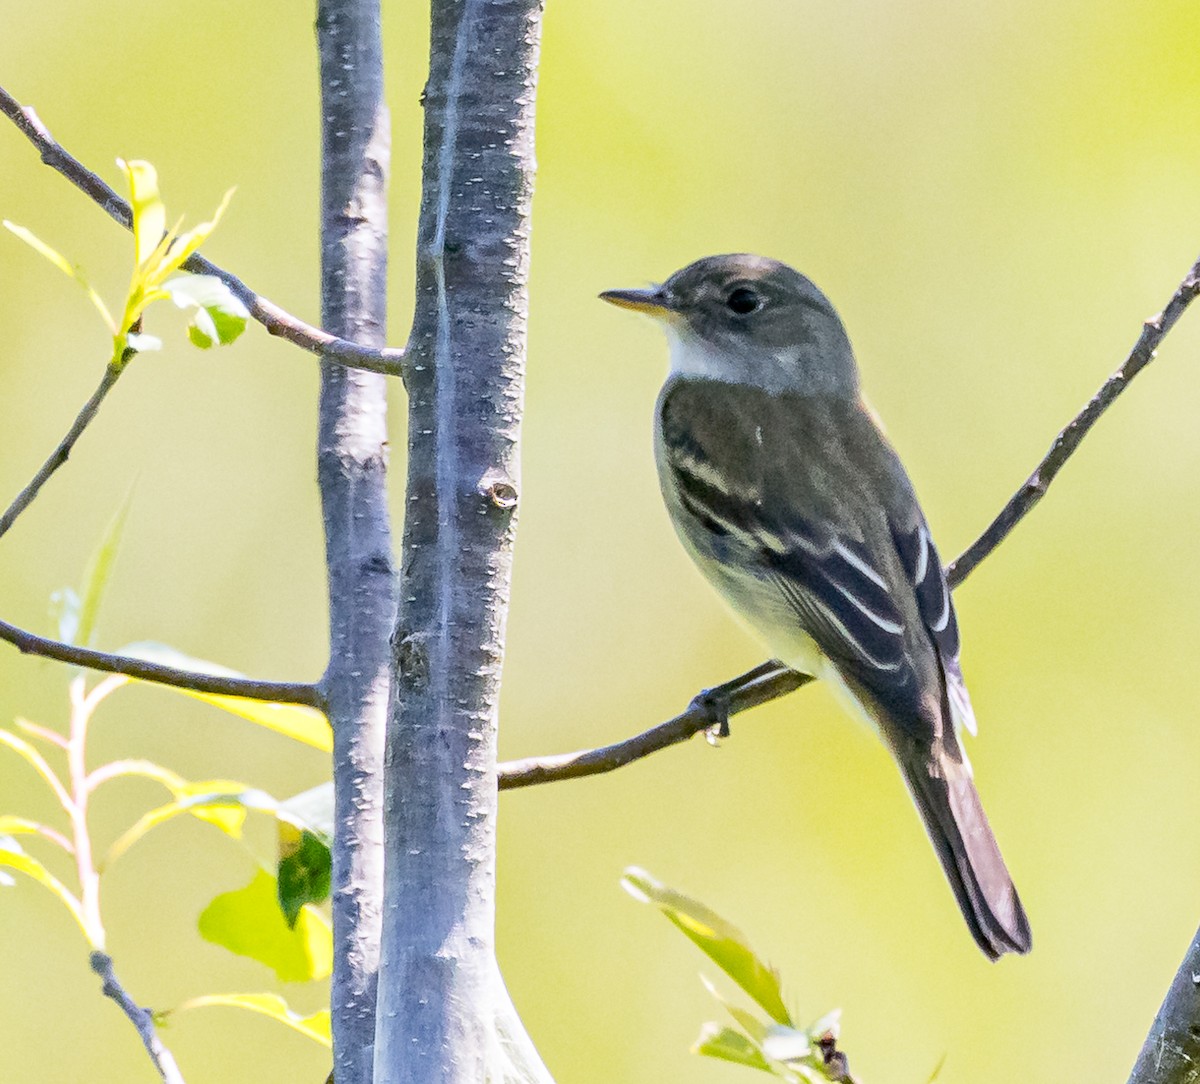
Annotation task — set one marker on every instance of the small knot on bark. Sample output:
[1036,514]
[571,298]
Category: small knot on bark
[498,490]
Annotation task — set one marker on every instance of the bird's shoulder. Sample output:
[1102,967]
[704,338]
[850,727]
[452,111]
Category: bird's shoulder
[823,446]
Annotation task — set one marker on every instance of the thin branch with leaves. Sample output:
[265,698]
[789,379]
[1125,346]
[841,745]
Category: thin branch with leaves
[276,320]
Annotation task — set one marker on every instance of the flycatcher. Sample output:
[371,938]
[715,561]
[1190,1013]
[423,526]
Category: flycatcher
[793,504]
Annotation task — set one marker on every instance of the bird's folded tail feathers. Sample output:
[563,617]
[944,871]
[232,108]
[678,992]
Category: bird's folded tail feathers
[949,805]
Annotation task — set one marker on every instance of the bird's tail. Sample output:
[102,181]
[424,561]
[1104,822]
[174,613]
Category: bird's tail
[949,805]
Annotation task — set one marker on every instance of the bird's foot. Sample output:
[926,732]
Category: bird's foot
[714,705]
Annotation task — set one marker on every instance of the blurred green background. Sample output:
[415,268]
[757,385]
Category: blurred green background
[994,195]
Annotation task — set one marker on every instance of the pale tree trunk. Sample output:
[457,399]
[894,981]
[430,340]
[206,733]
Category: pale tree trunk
[352,466]
[439,995]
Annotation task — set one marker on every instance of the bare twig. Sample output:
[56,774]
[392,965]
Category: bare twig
[1172,1048]
[60,454]
[282,692]
[142,1019]
[1022,502]
[276,320]
[771,679]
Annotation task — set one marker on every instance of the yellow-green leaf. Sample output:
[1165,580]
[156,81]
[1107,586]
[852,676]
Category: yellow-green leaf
[748,1022]
[729,1045]
[296,721]
[315,1025]
[189,242]
[32,868]
[248,921]
[720,941]
[38,763]
[149,215]
[220,802]
[67,268]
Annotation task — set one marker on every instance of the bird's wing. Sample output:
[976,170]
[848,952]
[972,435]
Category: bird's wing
[924,571]
[867,586]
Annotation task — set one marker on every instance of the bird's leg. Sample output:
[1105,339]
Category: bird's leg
[730,697]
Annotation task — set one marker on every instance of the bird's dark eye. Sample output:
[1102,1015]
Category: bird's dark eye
[743,301]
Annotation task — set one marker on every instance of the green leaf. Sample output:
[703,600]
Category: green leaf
[149,215]
[305,837]
[248,922]
[729,1045]
[296,721]
[218,317]
[68,269]
[315,1026]
[99,571]
[219,802]
[720,941]
[304,870]
[12,857]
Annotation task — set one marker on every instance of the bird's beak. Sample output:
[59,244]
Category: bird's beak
[653,302]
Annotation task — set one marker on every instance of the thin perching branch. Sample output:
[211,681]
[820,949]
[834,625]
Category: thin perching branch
[142,1019]
[771,680]
[711,709]
[62,453]
[352,475]
[277,321]
[283,692]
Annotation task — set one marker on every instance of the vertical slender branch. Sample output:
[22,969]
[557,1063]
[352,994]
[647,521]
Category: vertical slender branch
[441,1014]
[352,467]
[1171,1051]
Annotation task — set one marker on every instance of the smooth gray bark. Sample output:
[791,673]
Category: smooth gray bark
[1171,1053]
[351,467]
[443,1014]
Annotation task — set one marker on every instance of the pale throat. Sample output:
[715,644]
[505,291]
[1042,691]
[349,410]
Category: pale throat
[773,369]
[690,355]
